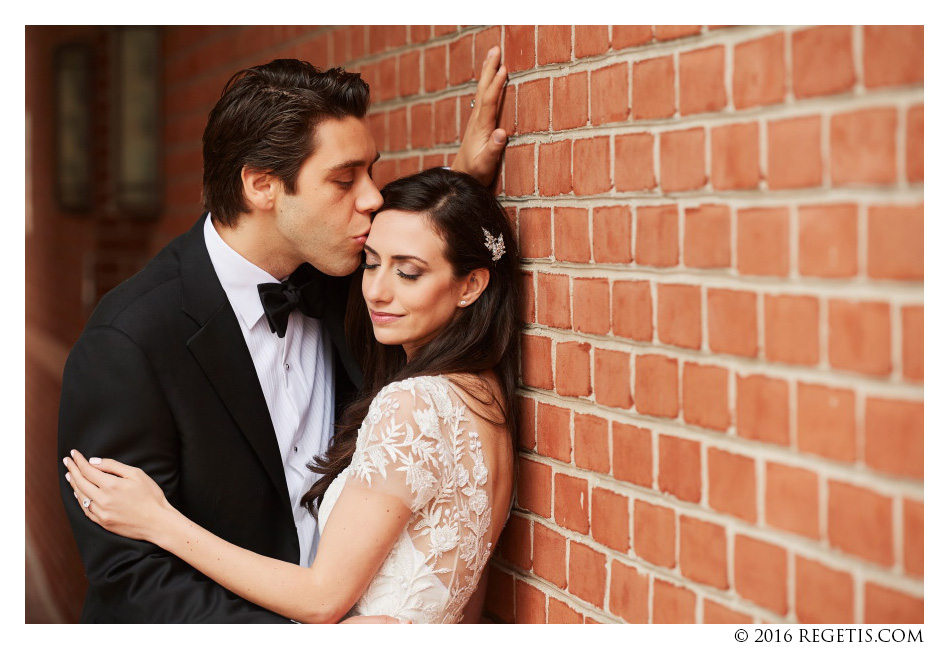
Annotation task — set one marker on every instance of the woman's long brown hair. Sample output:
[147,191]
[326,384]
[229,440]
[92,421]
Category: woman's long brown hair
[480,338]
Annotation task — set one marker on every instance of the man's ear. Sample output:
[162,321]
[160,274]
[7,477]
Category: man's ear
[260,188]
[475,284]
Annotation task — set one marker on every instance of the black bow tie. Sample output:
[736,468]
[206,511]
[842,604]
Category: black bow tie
[303,290]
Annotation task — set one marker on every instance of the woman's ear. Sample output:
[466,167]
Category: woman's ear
[259,188]
[475,284]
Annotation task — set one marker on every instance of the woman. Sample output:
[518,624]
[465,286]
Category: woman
[418,482]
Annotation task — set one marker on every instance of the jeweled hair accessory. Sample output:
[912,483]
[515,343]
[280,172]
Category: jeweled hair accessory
[495,245]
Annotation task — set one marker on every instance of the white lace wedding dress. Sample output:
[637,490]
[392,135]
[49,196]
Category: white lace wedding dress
[417,443]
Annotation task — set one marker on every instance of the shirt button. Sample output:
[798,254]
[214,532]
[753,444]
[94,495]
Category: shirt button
[287,367]
[295,449]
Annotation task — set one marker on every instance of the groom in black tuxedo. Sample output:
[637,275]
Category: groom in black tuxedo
[218,393]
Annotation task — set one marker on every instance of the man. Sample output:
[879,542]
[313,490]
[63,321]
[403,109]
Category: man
[199,370]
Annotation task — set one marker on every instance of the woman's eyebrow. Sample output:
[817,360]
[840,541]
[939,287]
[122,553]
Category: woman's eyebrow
[396,257]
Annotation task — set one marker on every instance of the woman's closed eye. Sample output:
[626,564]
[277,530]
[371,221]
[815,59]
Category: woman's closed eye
[406,275]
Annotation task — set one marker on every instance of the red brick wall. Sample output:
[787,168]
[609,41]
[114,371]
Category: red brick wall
[722,234]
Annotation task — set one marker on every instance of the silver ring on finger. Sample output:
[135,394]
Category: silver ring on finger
[86,502]
[472,103]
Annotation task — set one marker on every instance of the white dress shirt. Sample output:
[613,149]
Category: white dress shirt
[295,373]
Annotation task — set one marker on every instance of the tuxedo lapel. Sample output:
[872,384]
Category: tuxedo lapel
[222,353]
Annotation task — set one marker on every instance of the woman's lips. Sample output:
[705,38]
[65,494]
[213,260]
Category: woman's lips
[382,318]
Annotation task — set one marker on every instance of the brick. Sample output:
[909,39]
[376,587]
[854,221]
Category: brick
[759,72]
[611,378]
[827,240]
[573,370]
[484,41]
[570,101]
[703,552]
[657,235]
[446,120]
[422,126]
[702,80]
[732,484]
[735,156]
[913,537]
[441,30]
[527,429]
[398,129]
[822,595]
[670,32]
[572,234]
[826,422]
[791,329]
[506,110]
[672,604]
[632,310]
[591,304]
[515,542]
[377,127]
[587,577]
[550,556]
[519,170]
[761,573]
[863,147]
[707,236]
[591,40]
[420,33]
[682,160]
[629,593]
[895,242]
[634,167]
[534,238]
[892,55]
[715,613]
[791,499]
[571,503]
[592,449]
[518,47]
[822,60]
[894,436]
[591,162]
[609,519]
[884,605]
[631,35]
[763,241]
[530,604]
[553,300]
[609,94]
[794,153]
[654,533]
[613,234]
[500,596]
[762,412]
[859,338]
[554,170]
[553,430]
[632,454]
[914,144]
[560,613]
[657,385]
[679,309]
[654,94]
[732,322]
[913,342]
[533,106]
[860,522]
[705,396]
[435,61]
[553,44]
[534,487]
[680,468]
[386,88]
[536,362]
[461,60]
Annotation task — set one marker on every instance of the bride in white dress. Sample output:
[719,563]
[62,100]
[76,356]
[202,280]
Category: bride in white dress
[418,482]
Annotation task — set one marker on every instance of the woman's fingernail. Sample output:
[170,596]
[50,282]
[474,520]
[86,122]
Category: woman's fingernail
[72,454]
[499,139]
[68,479]
[75,495]
[95,460]
[65,462]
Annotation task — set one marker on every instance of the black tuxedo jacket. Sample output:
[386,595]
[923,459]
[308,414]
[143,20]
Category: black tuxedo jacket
[162,379]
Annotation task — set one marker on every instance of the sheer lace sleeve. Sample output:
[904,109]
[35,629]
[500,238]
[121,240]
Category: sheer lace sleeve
[403,448]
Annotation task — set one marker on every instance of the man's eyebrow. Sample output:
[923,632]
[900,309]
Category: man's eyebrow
[352,164]
[396,257]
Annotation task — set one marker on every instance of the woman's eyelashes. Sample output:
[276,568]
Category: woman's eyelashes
[373,264]
[408,276]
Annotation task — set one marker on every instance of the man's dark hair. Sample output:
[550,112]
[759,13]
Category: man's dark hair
[265,120]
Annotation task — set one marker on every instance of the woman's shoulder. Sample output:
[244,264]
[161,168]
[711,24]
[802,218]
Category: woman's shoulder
[417,392]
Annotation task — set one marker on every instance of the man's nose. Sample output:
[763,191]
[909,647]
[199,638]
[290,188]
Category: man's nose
[369,199]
